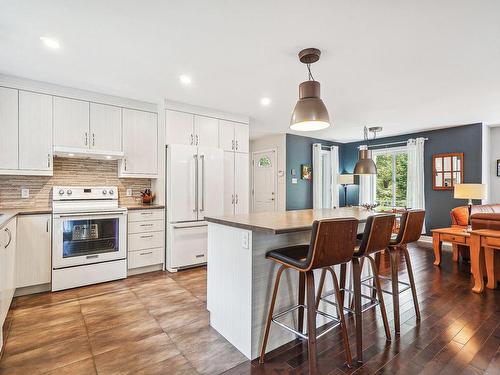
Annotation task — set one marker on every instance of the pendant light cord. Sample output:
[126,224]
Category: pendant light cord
[311,78]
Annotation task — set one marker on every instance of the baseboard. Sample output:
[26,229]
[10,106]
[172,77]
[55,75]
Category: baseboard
[32,289]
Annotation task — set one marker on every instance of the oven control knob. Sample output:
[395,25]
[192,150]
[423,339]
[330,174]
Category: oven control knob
[69,192]
[111,192]
[61,192]
[104,192]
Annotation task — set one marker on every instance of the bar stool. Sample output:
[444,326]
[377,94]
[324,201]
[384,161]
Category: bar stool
[332,243]
[376,237]
[410,230]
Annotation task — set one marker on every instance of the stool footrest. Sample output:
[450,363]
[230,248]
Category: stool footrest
[275,320]
[407,285]
[374,301]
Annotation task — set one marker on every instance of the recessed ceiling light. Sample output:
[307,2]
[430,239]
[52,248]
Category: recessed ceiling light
[185,79]
[49,42]
[265,101]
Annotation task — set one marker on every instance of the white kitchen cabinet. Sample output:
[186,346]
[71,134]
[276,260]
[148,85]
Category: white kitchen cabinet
[233,136]
[33,254]
[8,129]
[190,242]
[140,144]
[179,128]
[71,123]
[105,127]
[7,267]
[206,131]
[228,182]
[35,132]
[236,180]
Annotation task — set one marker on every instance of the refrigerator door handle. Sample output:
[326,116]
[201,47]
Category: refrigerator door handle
[202,157]
[195,183]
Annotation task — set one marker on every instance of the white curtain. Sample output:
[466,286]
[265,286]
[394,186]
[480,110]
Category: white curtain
[367,187]
[334,164]
[317,177]
[415,196]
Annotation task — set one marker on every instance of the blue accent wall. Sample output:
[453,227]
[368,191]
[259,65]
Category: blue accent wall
[466,139]
[299,151]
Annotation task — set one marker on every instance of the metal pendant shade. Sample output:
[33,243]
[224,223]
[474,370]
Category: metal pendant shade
[310,112]
[365,164]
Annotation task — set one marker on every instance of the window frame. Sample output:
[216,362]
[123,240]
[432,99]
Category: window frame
[393,151]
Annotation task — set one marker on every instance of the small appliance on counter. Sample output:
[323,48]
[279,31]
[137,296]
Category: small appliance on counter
[89,236]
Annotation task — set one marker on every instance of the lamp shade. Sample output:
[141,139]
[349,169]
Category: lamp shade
[310,112]
[346,179]
[365,164]
[470,191]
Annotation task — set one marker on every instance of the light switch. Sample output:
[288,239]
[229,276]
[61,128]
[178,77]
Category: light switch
[25,193]
[129,192]
[294,180]
[244,240]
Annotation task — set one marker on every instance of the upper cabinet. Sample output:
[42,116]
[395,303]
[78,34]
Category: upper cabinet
[105,127]
[71,123]
[233,136]
[25,133]
[140,144]
[192,130]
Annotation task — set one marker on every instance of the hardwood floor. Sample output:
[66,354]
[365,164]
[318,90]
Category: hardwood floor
[158,324]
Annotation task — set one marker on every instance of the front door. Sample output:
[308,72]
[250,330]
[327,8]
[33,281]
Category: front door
[264,181]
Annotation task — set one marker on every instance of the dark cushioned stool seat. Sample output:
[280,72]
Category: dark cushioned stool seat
[293,255]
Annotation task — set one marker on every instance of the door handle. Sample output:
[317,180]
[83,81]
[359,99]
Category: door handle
[202,157]
[10,237]
[195,183]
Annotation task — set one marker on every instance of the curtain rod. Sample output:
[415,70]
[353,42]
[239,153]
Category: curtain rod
[392,143]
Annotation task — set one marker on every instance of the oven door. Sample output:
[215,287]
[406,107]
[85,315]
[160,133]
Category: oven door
[88,238]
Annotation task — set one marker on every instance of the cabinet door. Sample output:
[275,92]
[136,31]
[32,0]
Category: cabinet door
[206,130]
[140,143]
[7,264]
[179,128]
[228,182]
[241,137]
[105,127]
[210,182]
[33,255]
[35,131]
[71,123]
[8,128]
[241,182]
[226,135]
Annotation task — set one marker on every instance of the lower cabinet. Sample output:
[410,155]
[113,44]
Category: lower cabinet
[146,240]
[33,255]
[7,270]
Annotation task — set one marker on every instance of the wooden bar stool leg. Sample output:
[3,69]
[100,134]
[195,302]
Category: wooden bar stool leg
[377,263]
[361,263]
[311,322]
[394,253]
[270,314]
[412,281]
[340,311]
[356,276]
[380,298]
[320,287]
[343,271]
[302,292]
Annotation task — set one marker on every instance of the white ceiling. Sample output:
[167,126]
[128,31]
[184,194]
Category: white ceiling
[405,65]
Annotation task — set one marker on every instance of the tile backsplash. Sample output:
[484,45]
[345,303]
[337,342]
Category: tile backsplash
[70,172]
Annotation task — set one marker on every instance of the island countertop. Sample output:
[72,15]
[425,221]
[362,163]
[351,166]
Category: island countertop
[289,221]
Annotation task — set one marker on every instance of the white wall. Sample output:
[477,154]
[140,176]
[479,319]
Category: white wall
[278,142]
[494,148]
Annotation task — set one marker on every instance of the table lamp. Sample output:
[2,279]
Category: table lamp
[345,180]
[470,192]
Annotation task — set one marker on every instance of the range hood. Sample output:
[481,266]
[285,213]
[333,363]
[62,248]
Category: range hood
[69,152]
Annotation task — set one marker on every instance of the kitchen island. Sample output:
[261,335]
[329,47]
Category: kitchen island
[240,278]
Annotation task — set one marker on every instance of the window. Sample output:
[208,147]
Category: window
[392,167]
[264,162]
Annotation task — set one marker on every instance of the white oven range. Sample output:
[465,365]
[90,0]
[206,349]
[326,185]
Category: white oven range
[89,236]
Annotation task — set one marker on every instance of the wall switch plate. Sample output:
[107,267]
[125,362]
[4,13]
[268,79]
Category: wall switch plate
[129,192]
[25,193]
[294,180]
[245,240]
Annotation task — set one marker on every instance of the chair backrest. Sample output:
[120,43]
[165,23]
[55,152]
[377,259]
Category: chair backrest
[377,233]
[410,229]
[332,242]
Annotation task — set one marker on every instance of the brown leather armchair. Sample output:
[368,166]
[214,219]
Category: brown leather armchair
[460,215]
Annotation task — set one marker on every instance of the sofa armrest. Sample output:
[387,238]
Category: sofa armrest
[486,221]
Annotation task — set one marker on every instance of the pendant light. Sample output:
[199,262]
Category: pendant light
[310,112]
[365,164]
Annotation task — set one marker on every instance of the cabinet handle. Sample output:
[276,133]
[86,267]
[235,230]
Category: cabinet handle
[86,139]
[192,140]
[146,253]
[10,237]
[150,236]
[196,197]
[236,201]
[196,139]
[48,222]
[146,225]
[125,163]
[232,144]
[92,256]
[232,198]
[236,145]
[48,160]
[200,256]
[202,157]
[146,213]
[93,139]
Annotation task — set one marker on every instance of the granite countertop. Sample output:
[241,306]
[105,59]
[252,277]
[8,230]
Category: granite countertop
[8,213]
[289,221]
[140,206]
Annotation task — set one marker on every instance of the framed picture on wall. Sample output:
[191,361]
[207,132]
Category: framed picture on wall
[305,172]
[498,168]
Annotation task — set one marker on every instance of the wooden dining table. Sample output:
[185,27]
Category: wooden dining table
[483,244]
